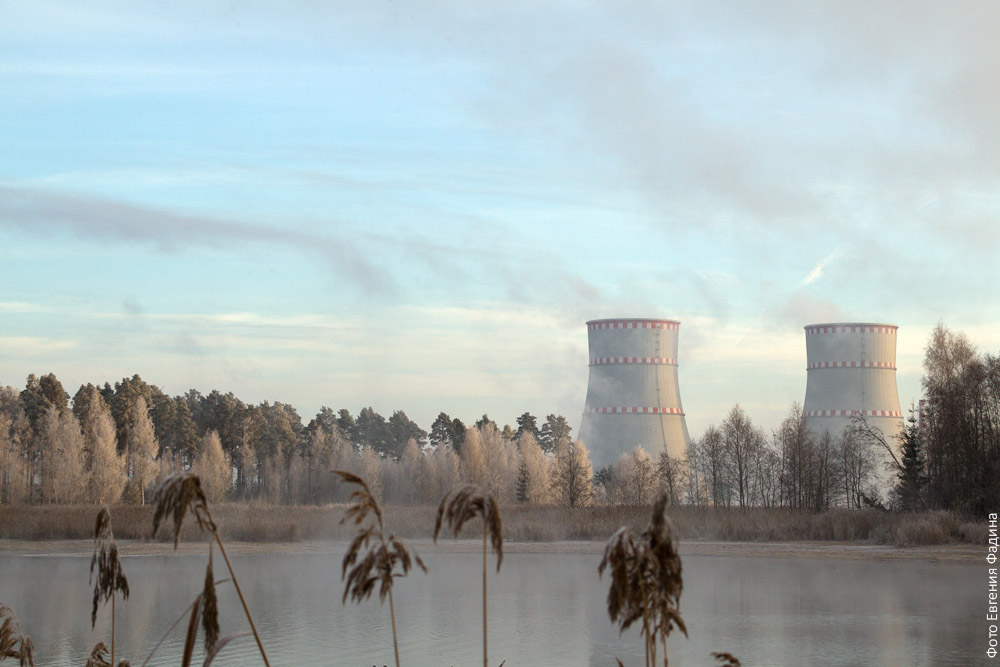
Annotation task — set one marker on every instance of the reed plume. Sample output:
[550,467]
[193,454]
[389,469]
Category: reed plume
[110,576]
[383,556]
[13,642]
[464,504]
[646,582]
[174,496]
[727,659]
[99,657]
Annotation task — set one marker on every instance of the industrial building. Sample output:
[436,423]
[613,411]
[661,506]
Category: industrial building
[633,395]
[851,370]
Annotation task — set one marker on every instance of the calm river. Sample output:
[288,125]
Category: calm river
[545,609]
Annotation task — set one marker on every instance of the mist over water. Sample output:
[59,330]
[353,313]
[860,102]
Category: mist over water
[545,609]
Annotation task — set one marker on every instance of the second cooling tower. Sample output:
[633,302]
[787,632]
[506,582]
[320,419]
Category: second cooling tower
[852,373]
[633,397]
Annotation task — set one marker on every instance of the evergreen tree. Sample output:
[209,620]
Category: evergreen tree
[401,430]
[555,431]
[484,420]
[441,431]
[912,477]
[457,434]
[521,486]
[347,425]
[527,423]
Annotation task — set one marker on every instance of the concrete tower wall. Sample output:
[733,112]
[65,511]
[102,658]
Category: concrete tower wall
[633,396]
[851,370]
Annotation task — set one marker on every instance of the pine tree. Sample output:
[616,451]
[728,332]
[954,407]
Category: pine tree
[521,487]
[912,477]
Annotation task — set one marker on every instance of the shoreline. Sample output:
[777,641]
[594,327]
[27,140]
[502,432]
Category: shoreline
[951,553]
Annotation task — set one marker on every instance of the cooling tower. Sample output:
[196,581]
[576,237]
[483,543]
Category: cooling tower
[852,371]
[633,397]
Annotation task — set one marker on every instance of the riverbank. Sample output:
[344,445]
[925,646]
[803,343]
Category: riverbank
[294,524]
[953,553]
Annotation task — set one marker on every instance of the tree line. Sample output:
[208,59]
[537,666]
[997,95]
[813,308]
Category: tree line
[112,443]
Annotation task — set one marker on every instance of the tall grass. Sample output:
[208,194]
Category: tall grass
[13,642]
[175,496]
[646,581]
[383,555]
[458,507]
[522,523]
[110,579]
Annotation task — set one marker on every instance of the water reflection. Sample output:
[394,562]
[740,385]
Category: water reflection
[545,609]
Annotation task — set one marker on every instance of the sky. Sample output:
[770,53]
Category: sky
[417,205]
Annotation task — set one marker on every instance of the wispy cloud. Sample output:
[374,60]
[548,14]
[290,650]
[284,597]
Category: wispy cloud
[23,307]
[32,345]
[40,212]
[817,271]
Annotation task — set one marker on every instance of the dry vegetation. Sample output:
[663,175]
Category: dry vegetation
[386,558]
[460,506]
[522,523]
[646,581]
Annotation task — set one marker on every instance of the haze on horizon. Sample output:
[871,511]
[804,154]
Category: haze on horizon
[417,206]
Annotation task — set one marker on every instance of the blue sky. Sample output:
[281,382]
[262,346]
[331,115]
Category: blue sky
[417,205]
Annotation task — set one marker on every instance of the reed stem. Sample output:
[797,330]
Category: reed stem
[486,662]
[243,601]
[392,615]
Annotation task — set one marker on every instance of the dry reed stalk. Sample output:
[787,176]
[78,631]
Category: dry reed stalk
[728,659]
[13,642]
[378,566]
[646,582]
[189,638]
[463,504]
[110,576]
[175,495]
[98,656]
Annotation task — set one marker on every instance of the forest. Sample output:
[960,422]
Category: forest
[112,443]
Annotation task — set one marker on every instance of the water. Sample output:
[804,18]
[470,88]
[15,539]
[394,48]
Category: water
[544,609]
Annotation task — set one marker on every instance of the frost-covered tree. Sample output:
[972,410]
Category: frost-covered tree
[410,465]
[632,479]
[107,468]
[573,475]
[213,467]
[533,484]
[371,472]
[501,461]
[672,475]
[63,478]
[13,476]
[445,473]
[473,458]
[145,447]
